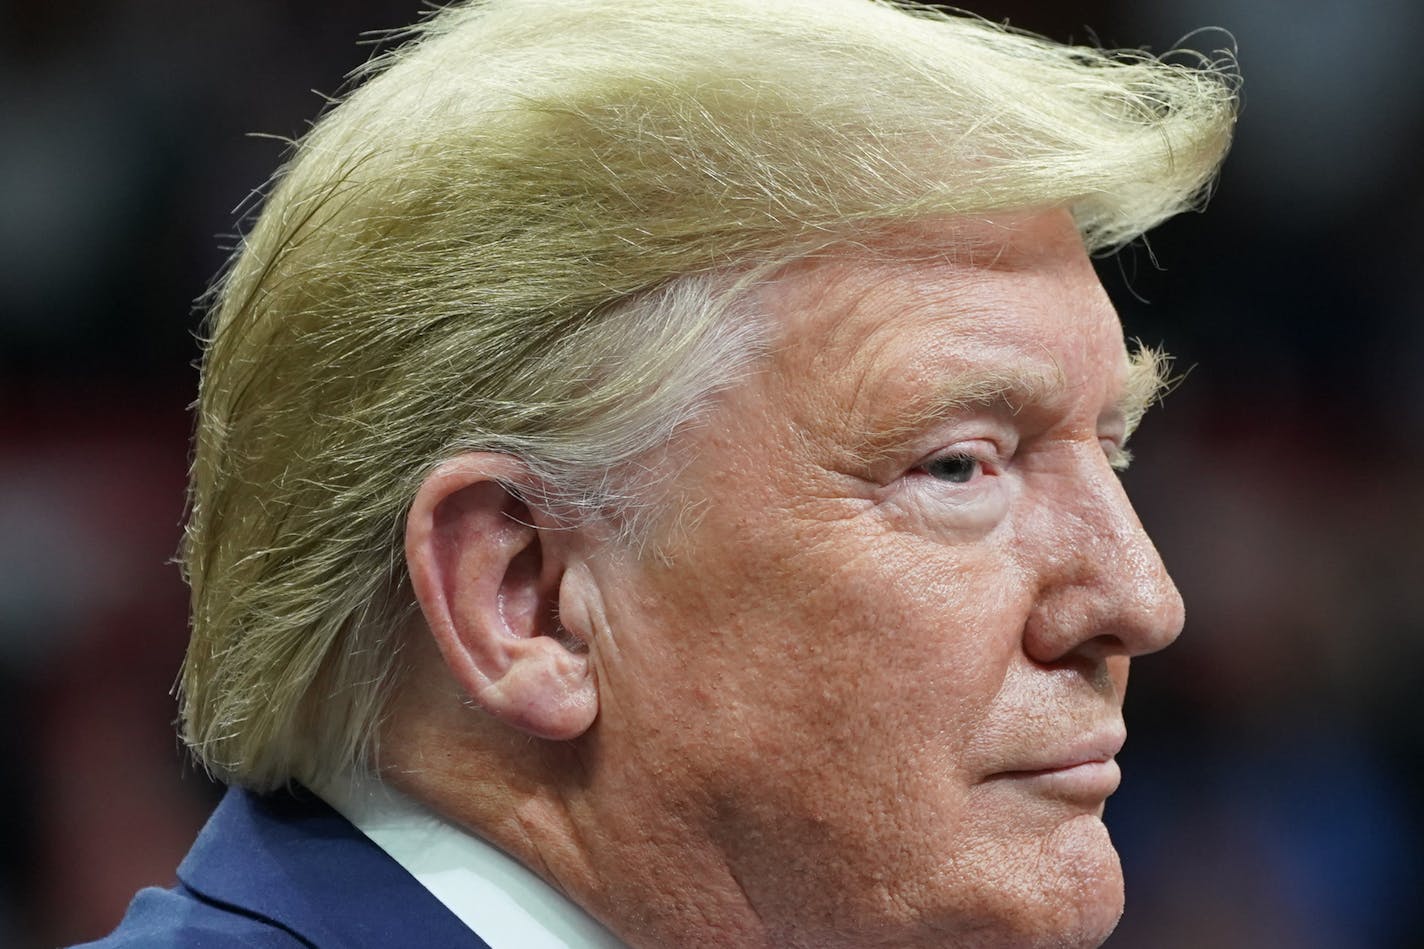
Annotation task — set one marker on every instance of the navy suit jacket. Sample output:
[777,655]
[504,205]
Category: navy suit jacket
[283,871]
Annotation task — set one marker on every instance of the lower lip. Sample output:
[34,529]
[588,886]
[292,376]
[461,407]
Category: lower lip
[1089,781]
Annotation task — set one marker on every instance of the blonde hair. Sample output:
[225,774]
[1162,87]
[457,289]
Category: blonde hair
[515,236]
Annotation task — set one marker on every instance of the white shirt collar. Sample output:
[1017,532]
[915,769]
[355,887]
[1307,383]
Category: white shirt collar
[496,896]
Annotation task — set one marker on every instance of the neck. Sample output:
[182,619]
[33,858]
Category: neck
[599,832]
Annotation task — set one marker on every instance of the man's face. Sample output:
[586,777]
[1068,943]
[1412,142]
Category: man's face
[880,664]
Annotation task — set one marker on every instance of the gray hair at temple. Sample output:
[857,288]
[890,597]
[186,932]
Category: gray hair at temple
[531,229]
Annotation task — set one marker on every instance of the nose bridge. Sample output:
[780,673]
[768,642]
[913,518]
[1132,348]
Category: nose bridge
[1109,582]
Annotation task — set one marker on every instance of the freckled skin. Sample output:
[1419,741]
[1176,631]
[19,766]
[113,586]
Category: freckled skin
[803,702]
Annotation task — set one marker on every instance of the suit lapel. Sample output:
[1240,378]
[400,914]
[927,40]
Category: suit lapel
[291,859]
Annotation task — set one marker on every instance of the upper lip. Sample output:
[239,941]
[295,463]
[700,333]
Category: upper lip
[1100,744]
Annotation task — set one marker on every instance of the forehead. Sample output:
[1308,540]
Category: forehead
[1009,305]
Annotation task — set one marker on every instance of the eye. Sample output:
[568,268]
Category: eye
[956,469]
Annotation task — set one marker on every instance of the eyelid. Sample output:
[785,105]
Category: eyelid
[990,456]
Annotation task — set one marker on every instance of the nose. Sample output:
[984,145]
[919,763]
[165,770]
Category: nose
[1103,589]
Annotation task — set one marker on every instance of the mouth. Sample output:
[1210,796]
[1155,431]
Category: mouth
[1084,771]
[1087,782]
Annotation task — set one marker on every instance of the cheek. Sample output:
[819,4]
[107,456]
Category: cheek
[947,621]
[862,659]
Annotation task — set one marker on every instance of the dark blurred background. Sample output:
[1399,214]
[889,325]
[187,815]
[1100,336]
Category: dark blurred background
[1274,771]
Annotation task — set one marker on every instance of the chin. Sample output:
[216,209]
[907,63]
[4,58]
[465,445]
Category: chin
[1082,894]
[1065,892]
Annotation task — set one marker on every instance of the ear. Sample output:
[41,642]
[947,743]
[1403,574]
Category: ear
[488,584]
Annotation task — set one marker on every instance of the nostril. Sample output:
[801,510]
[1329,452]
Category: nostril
[1100,662]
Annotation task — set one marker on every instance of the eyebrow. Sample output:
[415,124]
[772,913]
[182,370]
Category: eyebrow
[1145,382]
[1149,379]
[981,387]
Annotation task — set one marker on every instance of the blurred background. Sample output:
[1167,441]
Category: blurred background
[1277,756]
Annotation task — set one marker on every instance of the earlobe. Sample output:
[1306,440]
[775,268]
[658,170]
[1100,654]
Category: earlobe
[488,584]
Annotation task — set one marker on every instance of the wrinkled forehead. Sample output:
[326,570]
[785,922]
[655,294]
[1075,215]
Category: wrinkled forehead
[919,324]
[957,270]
